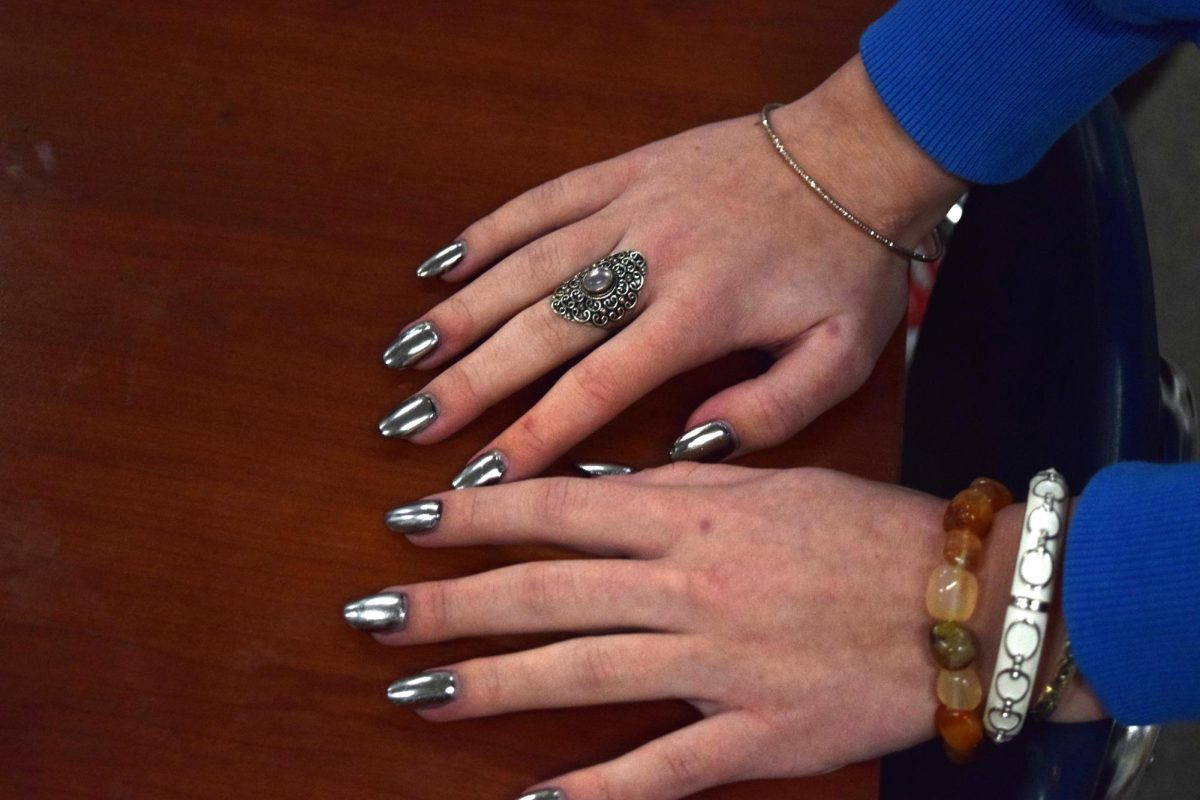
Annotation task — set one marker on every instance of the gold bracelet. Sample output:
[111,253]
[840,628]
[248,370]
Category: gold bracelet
[1053,691]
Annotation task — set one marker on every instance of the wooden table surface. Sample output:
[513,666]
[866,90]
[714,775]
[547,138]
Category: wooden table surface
[209,218]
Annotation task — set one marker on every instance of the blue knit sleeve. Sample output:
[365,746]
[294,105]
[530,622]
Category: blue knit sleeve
[986,86]
[1131,590]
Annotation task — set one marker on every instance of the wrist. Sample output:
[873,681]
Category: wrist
[844,135]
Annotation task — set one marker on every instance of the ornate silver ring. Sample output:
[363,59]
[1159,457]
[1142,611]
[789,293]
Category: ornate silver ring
[602,294]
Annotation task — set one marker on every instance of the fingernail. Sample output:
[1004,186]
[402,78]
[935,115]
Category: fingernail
[413,344]
[420,517]
[413,416]
[543,794]
[598,469]
[386,611]
[711,441]
[426,689]
[443,260]
[489,468]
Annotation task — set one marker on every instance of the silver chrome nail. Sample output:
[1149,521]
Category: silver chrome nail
[599,469]
[412,518]
[411,417]
[486,470]
[443,260]
[711,441]
[386,611]
[425,689]
[543,794]
[414,343]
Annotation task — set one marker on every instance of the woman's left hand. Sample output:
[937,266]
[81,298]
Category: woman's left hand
[738,255]
[787,606]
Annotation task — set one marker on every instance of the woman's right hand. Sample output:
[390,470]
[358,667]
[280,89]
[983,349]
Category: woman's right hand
[786,605]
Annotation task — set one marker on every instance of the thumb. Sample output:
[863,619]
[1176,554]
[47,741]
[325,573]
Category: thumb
[824,368]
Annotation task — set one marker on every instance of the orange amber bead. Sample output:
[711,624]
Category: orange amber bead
[970,509]
[959,688]
[996,490]
[962,548]
[961,730]
[951,593]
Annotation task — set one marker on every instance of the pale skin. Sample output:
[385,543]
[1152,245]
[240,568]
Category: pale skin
[786,605]
[738,248]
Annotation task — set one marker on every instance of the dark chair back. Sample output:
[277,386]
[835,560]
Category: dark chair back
[1039,348]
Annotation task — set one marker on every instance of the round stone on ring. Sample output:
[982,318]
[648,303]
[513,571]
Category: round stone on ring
[597,280]
[603,293]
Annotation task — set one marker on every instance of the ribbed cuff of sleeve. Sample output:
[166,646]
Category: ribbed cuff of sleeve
[1131,590]
[984,88]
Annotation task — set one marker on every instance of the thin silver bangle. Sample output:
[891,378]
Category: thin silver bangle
[890,244]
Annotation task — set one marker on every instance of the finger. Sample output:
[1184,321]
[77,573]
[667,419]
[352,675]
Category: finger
[588,671]
[578,513]
[528,346]
[820,372]
[541,596]
[714,751]
[647,353]
[524,278]
[566,199]
[692,473]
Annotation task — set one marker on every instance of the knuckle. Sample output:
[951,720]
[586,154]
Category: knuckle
[462,383]
[466,511]
[558,498]
[635,162]
[548,587]
[672,582]
[854,360]
[549,332]
[597,385]
[455,320]
[485,682]
[684,766]
[852,366]
[597,667]
[680,471]
[544,258]
[435,607]
[594,785]
[675,242]
[533,433]
[551,194]
[708,587]
[862,364]
[489,229]
[775,414]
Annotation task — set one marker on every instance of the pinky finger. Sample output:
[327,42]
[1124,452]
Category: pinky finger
[711,752]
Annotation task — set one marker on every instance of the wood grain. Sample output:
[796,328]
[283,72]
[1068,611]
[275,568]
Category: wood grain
[209,217]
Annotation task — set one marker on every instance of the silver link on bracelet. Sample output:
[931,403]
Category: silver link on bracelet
[912,255]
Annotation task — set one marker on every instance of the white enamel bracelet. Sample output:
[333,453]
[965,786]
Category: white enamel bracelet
[1024,632]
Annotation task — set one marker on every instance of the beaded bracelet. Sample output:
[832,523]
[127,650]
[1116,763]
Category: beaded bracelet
[950,599]
[1028,612]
